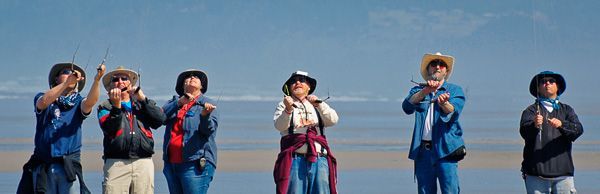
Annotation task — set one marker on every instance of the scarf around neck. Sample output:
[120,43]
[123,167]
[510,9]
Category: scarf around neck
[554,102]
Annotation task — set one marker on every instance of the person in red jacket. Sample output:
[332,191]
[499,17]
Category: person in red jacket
[305,163]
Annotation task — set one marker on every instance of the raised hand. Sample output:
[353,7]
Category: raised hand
[208,108]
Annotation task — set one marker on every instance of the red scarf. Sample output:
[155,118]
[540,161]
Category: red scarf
[175,147]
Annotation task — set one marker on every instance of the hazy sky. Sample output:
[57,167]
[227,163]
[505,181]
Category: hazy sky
[358,50]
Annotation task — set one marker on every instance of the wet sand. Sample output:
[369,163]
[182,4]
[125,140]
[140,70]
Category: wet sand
[263,160]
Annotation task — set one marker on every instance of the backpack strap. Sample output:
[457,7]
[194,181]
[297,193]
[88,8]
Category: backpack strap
[321,124]
[291,128]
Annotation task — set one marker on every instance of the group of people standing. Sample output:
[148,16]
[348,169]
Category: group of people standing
[305,164]
[126,118]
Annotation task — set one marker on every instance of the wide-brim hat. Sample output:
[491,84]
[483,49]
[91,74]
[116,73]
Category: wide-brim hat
[55,70]
[107,79]
[187,73]
[311,81]
[427,58]
[535,81]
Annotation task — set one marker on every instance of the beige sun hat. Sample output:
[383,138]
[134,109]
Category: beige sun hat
[427,58]
[107,79]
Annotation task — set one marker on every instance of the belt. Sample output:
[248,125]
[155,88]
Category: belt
[57,159]
[304,155]
[426,144]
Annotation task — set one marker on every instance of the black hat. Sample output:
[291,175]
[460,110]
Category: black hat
[311,81]
[55,70]
[187,73]
[560,81]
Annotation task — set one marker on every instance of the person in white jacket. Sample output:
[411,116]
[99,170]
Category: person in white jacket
[305,163]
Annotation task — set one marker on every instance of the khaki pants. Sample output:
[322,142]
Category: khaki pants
[128,176]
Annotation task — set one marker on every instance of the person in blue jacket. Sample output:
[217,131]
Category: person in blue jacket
[189,148]
[437,144]
[55,166]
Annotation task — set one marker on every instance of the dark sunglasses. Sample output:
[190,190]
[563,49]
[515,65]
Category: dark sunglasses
[119,78]
[547,79]
[300,79]
[436,63]
[66,72]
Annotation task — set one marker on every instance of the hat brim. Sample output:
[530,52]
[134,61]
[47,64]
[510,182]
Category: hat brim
[560,81]
[311,81]
[55,70]
[198,73]
[106,79]
[427,58]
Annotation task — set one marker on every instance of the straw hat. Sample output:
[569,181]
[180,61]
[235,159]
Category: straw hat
[107,79]
[560,81]
[311,81]
[427,58]
[187,73]
[55,70]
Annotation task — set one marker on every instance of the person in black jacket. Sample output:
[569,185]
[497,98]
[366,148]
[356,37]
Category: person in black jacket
[548,127]
[126,118]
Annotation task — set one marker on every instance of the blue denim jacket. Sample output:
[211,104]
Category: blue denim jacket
[446,134]
[199,132]
[58,130]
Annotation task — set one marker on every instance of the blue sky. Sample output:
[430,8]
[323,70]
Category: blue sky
[358,50]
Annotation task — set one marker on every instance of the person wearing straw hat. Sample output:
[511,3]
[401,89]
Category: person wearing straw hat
[55,166]
[305,163]
[549,127]
[437,144]
[126,118]
[189,147]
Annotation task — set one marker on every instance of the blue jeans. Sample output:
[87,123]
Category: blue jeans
[428,171]
[537,185]
[187,177]
[57,180]
[306,176]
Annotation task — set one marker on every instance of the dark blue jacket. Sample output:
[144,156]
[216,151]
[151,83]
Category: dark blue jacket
[127,134]
[199,132]
[446,134]
[547,153]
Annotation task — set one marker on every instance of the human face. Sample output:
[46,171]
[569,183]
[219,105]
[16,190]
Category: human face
[192,84]
[300,87]
[63,75]
[120,81]
[437,70]
[548,87]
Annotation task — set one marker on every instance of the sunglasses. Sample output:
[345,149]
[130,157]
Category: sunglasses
[547,79]
[66,72]
[300,79]
[120,78]
[436,63]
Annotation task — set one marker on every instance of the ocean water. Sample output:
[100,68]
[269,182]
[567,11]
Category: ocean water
[378,125]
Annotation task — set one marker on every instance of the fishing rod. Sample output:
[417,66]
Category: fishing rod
[417,83]
[323,100]
[103,59]
[73,59]
[287,93]
[87,63]
[139,80]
